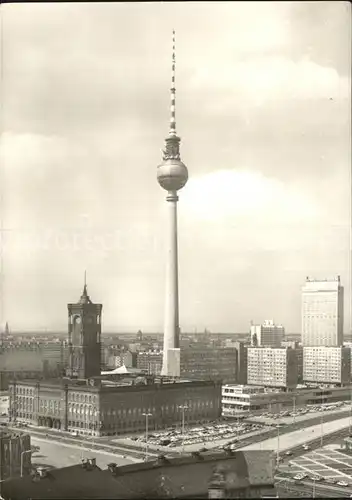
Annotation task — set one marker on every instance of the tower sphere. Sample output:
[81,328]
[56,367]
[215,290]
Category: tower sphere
[172,174]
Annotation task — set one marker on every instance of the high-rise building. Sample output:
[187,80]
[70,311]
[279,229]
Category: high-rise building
[272,367]
[322,313]
[209,363]
[172,175]
[267,335]
[331,365]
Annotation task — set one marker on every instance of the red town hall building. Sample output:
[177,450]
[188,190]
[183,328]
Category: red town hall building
[90,403]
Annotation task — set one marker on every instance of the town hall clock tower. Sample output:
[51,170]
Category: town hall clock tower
[84,338]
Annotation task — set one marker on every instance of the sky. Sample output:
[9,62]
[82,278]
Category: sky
[263,110]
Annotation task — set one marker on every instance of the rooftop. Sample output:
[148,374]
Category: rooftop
[181,477]
[10,434]
[122,370]
[100,383]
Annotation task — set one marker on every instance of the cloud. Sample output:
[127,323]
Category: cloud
[276,78]
[248,197]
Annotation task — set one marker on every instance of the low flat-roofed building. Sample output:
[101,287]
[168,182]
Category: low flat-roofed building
[211,474]
[322,395]
[237,399]
[327,365]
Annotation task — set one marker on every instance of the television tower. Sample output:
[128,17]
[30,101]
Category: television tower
[172,175]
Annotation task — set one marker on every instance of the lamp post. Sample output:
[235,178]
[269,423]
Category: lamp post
[146,415]
[23,453]
[294,409]
[183,408]
[321,430]
[350,422]
[278,447]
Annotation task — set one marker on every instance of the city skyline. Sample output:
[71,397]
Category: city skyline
[264,115]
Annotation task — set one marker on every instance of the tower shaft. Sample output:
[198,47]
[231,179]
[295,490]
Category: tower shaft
[171,353]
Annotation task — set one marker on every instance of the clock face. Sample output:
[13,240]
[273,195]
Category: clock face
[78,319]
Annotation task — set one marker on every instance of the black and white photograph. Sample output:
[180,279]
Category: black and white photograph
[175,250]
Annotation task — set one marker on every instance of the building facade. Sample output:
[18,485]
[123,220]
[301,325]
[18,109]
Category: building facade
[150,361]
[267,335]
[14,454]
[242,355]
[322,313]
[272,367]
[244,399]
[122,358]
[208,363]
[104,407]
[327,365]
[237,399]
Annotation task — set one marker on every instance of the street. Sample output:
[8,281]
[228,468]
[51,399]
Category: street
[54,454]
[299,437]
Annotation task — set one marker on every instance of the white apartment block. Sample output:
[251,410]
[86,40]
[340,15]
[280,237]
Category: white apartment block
[327,365]
[322,313]
[267,335]
[272,366]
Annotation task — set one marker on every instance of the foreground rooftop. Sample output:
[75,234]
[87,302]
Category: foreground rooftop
[182,477]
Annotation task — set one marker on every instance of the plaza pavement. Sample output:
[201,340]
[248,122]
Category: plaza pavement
[327,462]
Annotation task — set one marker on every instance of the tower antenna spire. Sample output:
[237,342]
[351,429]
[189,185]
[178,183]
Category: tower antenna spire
[85,283]
[172,130]
[172,142]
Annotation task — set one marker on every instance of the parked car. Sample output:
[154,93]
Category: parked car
[342,483]
[302,475]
